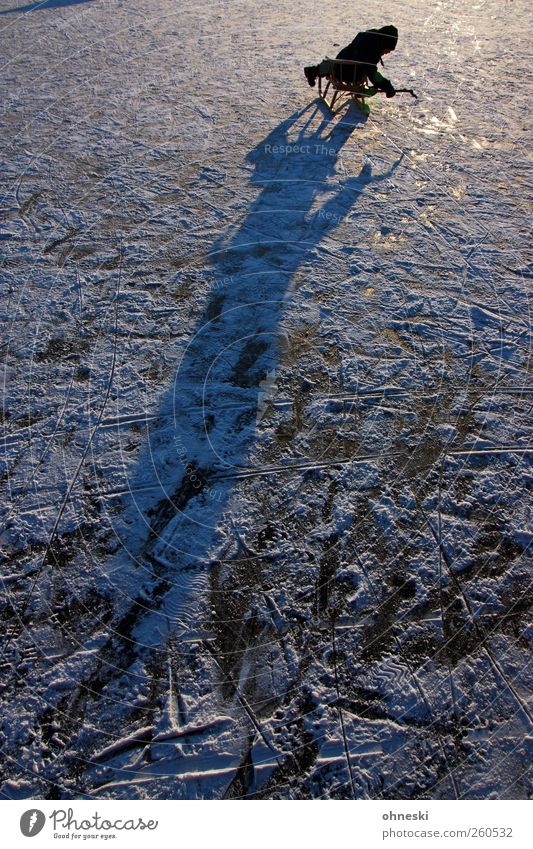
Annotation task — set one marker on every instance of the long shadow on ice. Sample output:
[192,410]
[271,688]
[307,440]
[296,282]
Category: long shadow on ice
[45,4]
[204,431]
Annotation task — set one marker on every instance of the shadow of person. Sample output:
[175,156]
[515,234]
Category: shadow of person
[176,513]
[45,4]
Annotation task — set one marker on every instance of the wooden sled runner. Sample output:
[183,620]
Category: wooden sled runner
[341,70]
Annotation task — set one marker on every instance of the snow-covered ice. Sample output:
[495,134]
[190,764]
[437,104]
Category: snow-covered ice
[266,454]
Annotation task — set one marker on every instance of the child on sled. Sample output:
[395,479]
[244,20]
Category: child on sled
[367,49]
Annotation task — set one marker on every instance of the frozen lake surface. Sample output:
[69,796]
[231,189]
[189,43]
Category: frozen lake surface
[266,445]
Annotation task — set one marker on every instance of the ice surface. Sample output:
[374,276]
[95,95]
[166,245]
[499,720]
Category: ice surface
[266,451]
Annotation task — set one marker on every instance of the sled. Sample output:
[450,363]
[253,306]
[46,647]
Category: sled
[358,92]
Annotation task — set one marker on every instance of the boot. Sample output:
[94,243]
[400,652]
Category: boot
[311,73]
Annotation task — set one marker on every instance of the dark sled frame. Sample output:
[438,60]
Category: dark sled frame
[358,92]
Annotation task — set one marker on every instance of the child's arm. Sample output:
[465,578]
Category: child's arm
[381,82]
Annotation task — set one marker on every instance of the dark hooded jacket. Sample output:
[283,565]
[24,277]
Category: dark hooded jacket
[366,48]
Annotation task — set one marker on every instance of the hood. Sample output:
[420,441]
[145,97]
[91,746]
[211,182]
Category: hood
[388,37]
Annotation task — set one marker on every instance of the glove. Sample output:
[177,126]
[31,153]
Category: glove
[389,89]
